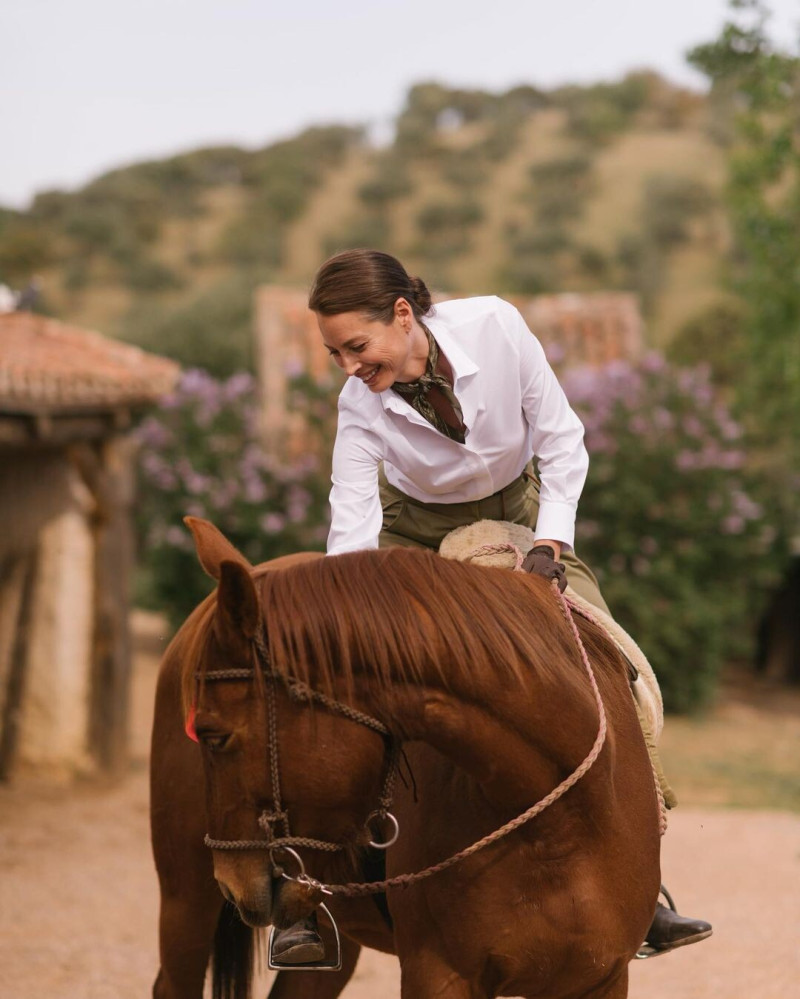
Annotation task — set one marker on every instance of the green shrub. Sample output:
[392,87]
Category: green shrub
[76,273]
[599,112]
[391,181]
[416,125]
[670,520]
[432,109]
[150,276]
[571,170]
[528,275]
[594,263]
[255,239]
[670,204]
[109,228]
[439,217]
[537,240]
[525,99]
[502,137]
[212,331]
[444,229]
[715,337]
[280,179]
[25,247]
[369,229]
[559,189]
[50,206]
[642,266]
[200,455]
[463,171]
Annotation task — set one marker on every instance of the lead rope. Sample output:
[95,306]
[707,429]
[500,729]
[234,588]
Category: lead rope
[662,805]
[355,889]
[584,612]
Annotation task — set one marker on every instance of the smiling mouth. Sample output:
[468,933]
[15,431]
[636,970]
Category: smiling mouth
[368,377]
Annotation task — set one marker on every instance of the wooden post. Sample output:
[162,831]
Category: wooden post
[106,470]
[19,574]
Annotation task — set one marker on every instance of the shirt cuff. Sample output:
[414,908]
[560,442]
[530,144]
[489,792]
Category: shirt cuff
[556,521]
[343,547]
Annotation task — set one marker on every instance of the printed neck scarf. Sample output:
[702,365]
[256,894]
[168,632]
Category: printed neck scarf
[416,394]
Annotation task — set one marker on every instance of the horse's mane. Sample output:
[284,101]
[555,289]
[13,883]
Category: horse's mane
[395,614]
[391,614]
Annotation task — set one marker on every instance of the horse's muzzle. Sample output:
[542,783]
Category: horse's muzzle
[251,893]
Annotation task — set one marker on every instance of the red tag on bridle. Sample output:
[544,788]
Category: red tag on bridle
[189,726]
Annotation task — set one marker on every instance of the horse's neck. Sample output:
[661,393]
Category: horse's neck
[518,738]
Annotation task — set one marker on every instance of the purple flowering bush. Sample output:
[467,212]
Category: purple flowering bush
[201,455]
[669,521]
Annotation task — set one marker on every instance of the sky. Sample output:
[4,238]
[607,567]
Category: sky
[89,85]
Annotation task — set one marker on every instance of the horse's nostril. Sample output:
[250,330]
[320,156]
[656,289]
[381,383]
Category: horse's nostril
[226,892]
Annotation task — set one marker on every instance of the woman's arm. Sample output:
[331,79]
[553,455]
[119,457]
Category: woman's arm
[356,515]
[557,439]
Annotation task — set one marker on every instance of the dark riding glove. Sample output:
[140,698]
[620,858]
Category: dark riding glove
[541,560]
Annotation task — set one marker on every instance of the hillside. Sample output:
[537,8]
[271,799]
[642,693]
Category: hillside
[581,188]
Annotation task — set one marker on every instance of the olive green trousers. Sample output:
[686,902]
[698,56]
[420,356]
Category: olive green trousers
[409,523]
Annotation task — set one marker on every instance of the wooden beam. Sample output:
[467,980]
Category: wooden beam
[54,428]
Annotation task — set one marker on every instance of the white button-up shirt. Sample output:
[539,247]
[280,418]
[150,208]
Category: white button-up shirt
[513,408]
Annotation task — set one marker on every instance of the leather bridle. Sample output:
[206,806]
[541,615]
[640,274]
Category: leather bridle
[275,823]
[301,692]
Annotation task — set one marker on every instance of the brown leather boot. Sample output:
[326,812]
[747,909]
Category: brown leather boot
[299,943]
[669,930]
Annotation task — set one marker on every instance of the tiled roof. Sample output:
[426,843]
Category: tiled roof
[46,365]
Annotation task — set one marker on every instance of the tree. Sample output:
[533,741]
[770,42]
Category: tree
[759,85]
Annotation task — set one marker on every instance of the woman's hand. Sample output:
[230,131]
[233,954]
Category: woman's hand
[555,545]
[541,560]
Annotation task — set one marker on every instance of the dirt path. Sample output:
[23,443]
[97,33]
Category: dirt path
[78,901]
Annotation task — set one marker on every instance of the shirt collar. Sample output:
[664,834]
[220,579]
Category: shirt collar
[463,367]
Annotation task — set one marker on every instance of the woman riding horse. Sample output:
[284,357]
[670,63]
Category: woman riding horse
[454,401]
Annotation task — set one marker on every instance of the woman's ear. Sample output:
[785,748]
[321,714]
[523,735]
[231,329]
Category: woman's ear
[402,310]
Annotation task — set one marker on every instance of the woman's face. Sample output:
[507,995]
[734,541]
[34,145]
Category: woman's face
[378,353]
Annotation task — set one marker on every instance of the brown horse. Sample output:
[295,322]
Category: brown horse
[477,671]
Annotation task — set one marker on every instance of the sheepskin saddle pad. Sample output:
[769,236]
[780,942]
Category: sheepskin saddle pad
[462,545]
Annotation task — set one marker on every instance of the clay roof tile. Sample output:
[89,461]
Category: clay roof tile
[48,365]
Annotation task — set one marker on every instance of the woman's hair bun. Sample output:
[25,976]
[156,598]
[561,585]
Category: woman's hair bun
[422,296]
[367,281]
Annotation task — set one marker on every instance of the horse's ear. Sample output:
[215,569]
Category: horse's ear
[237,607]
[213,548]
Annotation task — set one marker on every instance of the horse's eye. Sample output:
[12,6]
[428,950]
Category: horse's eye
[215,741]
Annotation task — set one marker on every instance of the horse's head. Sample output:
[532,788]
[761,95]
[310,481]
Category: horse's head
[253,734]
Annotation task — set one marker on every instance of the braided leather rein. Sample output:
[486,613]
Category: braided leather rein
[302,692]
[279,817]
